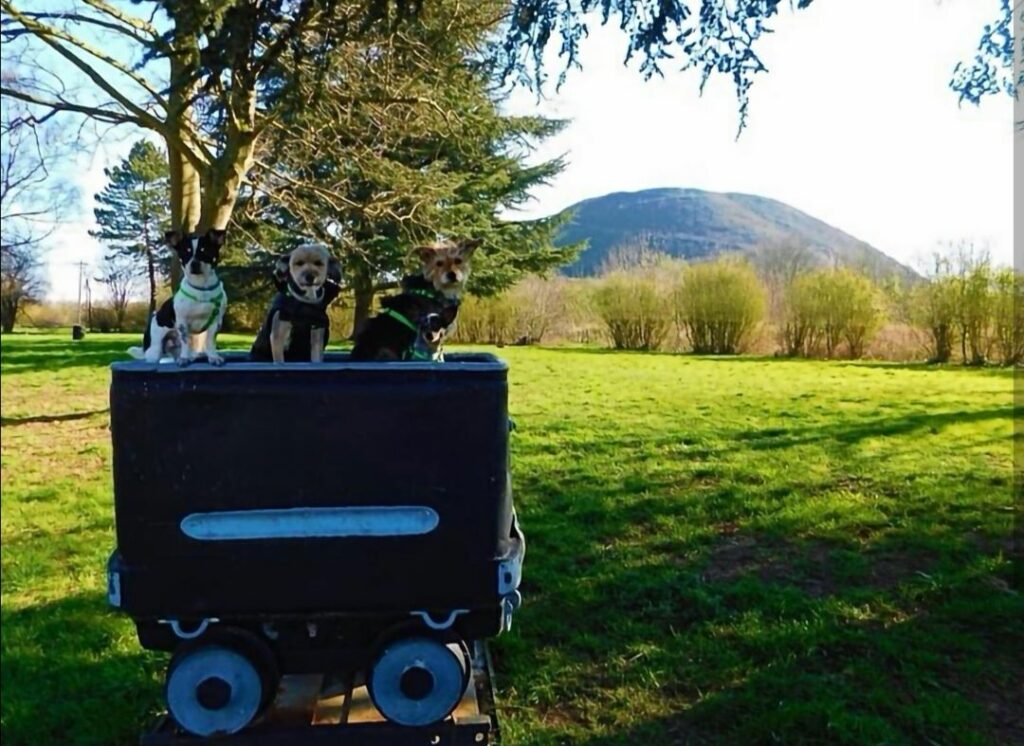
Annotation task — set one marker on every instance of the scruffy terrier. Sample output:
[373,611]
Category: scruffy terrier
[297,327]
[188,321]
[397,332]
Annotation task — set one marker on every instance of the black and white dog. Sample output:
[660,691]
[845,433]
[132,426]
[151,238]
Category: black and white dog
[186,324]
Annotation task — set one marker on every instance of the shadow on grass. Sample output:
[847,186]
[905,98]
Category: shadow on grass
[65,679]
[29,355]
[47,418]
[755,639]
[843,432]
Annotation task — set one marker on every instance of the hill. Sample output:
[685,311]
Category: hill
[691,223]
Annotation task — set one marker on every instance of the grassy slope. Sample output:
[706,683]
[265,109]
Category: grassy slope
[720,551]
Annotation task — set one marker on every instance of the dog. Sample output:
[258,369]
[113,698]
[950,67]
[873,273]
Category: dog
[433,328]
[395,333]
[190,319]
[297,327]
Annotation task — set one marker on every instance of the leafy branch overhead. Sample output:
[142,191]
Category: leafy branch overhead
[711,37]
[991,70]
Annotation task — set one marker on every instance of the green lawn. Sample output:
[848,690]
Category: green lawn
[721,551]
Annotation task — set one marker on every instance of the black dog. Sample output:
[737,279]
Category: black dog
[408,324]
[297,326]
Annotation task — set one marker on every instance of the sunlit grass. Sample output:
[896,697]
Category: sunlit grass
[728,551]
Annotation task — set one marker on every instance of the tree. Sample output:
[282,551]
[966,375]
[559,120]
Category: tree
[972,279]
[118,274]
[32,200]
[709,36]
[778,265]
[385,171]
[205,76]
[21,282]
[719,304]
[193,73]
[935,309]
[134,213]
[1008,316]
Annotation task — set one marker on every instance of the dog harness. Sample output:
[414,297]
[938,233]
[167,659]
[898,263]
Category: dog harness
[216,297]
[412,352]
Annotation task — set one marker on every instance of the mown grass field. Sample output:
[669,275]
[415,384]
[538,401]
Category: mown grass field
[734,551]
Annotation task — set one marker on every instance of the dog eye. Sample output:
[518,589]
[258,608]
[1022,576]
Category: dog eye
[439,262]
[458,261]
[318,263]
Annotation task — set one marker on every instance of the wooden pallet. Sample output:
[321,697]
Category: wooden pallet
[311,710]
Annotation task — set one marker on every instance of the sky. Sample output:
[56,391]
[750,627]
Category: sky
[854,124]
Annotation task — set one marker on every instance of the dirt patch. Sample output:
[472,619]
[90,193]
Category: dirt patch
[889,569]
[779,563]
[808,566]
[1004,706]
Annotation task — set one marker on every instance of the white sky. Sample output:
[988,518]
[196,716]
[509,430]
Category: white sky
[854,124]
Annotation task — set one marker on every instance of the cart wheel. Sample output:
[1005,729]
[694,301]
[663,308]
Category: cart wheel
[418,681]
[257,651]
[213,688]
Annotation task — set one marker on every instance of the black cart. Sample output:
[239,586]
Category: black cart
[348,521]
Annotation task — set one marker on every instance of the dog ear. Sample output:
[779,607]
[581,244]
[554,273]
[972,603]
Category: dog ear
[215,237]
[281,267]
[424,253]
[173,238]
[467,247]
[333,269]
[448,314]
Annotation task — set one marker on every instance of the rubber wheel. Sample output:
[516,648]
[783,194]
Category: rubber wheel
[418,680]
[221,682]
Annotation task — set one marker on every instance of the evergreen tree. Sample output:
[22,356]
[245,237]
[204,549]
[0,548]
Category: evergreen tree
[410,143]
[135,211]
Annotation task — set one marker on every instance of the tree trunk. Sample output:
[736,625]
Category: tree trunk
[186,194]
[362,285]
[8,313]
[232,167]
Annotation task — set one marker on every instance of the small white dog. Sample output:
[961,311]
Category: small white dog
[189,321]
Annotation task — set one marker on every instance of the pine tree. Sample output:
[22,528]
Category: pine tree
[391,149]
[134,212]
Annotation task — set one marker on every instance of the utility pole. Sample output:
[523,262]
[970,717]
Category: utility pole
[88,304]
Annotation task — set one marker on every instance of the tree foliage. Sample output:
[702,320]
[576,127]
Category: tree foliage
[133,214]
[991,70]
[118,274]
[393,149]
[712,37]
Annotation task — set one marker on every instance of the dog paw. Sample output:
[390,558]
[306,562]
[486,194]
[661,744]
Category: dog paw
[215,359]
[184,362]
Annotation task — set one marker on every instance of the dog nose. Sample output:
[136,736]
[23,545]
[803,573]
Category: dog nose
[310,277]
[451,277]
[194,267]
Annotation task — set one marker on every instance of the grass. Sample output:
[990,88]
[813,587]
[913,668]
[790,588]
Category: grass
[721,551]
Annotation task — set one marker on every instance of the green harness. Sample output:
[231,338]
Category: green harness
[410,352]
[217,302]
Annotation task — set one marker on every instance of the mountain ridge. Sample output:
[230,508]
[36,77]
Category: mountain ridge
[694,224]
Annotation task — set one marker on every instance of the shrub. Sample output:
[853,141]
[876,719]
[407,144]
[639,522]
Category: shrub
[934,309]
[828,308]
[801,317]
[719,305]
[635,308]
[974,307]
[1008,316]
[522,315]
